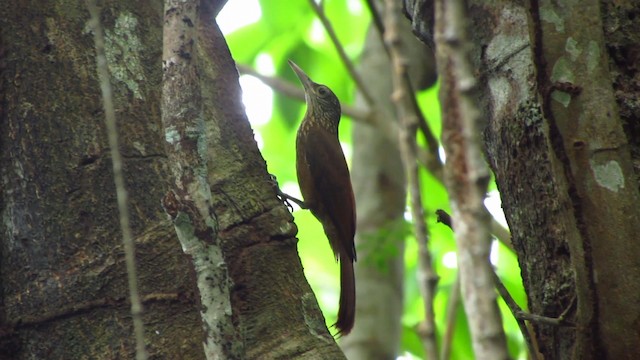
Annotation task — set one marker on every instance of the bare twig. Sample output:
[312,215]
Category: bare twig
[516,311]
[121,191]
[284,87]
[501,233]
[342,53]
[521,315]
[432,141]
[377,21]
[408,150]
[467,177]
[294,91]
[445,218]
[561,320]
[452,311]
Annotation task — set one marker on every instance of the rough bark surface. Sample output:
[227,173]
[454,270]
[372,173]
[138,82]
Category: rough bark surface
[188,199]
[587,138]
[562,163]
[273,305]
[62,274]
[63,281]
[622,33]
[534,198]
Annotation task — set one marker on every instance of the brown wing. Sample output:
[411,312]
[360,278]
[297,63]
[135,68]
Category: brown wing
[334,203]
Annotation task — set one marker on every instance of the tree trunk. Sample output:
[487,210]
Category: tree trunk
[274,310]
[62,274]
[559,150]
[64,289]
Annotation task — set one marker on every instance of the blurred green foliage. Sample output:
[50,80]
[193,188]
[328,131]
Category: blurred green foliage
[290,30]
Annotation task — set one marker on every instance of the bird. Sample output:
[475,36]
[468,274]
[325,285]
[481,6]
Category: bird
[325,184]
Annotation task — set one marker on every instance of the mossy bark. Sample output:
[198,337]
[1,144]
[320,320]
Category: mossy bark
[64,288]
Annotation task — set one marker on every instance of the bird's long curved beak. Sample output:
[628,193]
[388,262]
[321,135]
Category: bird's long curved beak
[304,79]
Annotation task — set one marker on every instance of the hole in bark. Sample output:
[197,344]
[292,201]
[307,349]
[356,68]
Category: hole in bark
[87,160]
[578,144]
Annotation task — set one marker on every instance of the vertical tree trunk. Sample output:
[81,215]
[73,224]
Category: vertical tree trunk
[64,289]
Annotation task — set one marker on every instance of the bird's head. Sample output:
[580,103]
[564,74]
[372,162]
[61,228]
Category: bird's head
[322,104]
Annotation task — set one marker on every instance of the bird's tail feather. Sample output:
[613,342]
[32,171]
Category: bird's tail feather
[347,311]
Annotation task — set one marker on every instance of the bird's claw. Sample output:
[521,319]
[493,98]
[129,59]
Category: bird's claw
[284,198]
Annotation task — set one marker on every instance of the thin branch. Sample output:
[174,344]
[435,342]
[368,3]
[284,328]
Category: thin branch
[432,141]
[516,311]
[467,177]
[561,320]
[500,232]
[377,21]
[342,53]
[408,150]
[121,191]
[452,312]
[282,86]
[519,315]
[295,92]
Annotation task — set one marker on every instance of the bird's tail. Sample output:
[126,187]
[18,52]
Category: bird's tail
[347,311]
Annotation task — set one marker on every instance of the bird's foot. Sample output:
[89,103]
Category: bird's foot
[286,198]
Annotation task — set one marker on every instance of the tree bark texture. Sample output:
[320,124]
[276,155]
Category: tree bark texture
[64,289]
[274,309]
[62,271]
[563,159]
[188,201]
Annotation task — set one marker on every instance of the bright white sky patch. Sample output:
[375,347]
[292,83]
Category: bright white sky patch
[407,214]
[493,255]
[264,64]
[494,205]
[256,96]
[442,153]
[258,100]
[317,31]
[449,260]
[238,13]
[354,6]
[259,140]
[407,356]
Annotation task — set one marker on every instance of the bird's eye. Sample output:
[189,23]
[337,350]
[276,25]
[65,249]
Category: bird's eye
[323,91]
